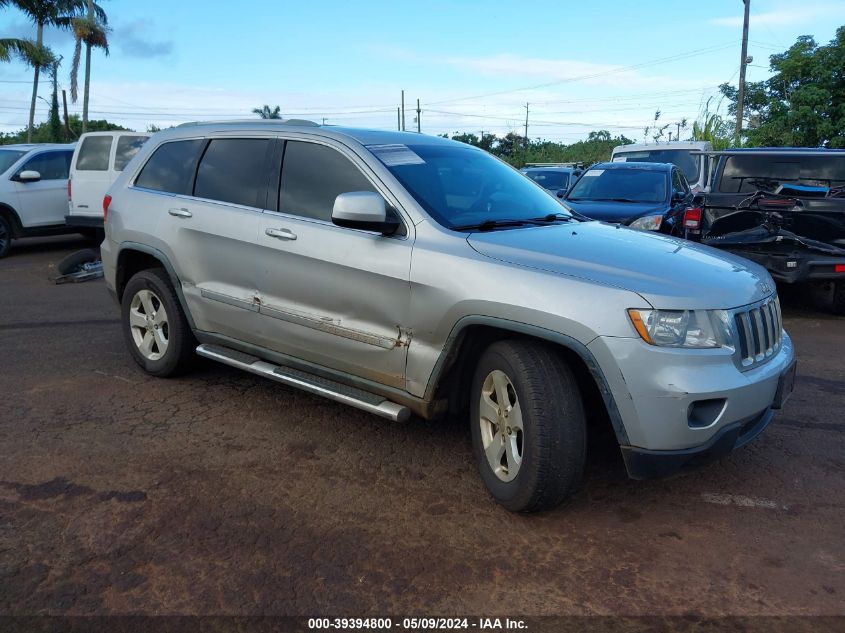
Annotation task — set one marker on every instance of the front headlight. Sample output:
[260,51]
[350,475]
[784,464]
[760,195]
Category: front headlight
[683,328]
[648,223]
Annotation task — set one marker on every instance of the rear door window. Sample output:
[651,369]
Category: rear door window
[313,176]
[235,170]
[51,165]
[127,147]
[94,154]
[749,173]
[171,168]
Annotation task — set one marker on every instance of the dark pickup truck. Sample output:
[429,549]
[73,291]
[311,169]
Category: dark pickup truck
[783,208]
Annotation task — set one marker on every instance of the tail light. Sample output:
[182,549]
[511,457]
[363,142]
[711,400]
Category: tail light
[69,188]
[839,268]
[106,203]
[692,218]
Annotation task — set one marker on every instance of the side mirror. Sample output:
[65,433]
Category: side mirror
[560,193]
[28,175]
[364,210]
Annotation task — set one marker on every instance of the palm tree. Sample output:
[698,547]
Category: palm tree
[45,13]
[26,49]
[266,113]
[92,30]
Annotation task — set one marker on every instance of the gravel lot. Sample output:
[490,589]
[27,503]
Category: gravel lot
[223,493]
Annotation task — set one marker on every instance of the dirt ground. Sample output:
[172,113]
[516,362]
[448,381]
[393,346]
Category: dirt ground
[223,493]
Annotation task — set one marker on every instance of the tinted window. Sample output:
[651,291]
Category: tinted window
[627,185]
[94,154]
[51,165]
[549,179]
[8,157]
[459,185]
[313,176]
[750,173]
[234,170]
[690,164]
[171,167]
[127,147]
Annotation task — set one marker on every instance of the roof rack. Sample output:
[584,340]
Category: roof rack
[302,122]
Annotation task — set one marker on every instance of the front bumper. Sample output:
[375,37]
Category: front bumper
[686,402]
[642,463]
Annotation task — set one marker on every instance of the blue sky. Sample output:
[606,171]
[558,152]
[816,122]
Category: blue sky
[580,65]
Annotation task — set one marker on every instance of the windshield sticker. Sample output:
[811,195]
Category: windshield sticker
[396,155]
[594,172]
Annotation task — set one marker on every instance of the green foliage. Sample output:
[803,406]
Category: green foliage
[511,148]
[710,126]
[266,112]
[803,103]
[44,132]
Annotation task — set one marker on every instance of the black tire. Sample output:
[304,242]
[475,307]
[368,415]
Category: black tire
[838,304]
[71,263]
[6,234]
[179,353]
[554,436]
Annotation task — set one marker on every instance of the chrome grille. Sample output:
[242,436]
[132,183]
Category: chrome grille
[759,331]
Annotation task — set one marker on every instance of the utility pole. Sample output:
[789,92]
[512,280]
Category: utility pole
[398,120]
[403,111]
[67,123]
[525,142]
[678,136]
[418,117]
[740,97]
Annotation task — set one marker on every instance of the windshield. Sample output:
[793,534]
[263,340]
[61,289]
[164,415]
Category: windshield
[549,179]
[689,164]
[460,186]
[9,157]
[625,185]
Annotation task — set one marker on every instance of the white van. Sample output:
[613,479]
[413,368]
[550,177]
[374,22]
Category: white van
[684,154]
[97,161]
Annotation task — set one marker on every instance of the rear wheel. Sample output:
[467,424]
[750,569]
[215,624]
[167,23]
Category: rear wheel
[528,425]
[154,326]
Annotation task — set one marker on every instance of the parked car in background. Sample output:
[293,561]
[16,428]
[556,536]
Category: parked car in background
[783,208]
[649,196]
[687,155]
[98,160]
[33,191]
[398,272]
[556,177]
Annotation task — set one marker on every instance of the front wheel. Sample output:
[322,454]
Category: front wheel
[5,236]
[154,326]
[528,425]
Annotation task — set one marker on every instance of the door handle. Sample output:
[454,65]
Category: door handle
[180,213]
[281,234]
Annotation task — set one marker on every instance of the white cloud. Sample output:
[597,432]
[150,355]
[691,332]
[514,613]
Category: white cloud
[789,15]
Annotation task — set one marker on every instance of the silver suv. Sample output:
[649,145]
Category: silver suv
[401,273]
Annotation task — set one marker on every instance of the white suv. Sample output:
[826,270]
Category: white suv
[33,191]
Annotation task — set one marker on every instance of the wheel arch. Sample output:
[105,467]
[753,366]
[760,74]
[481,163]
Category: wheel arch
[133,258]
[473,334]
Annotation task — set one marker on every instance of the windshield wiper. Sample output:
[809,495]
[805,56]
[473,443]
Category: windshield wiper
[487,225]
[556,217]
[615,200]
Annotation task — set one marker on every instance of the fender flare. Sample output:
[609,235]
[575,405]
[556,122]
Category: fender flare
[574,345]
[168,267]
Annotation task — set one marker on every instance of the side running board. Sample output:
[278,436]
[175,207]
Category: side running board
[364,400]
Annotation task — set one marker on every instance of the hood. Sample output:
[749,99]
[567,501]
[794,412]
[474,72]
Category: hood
[668,273]
[622,212]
